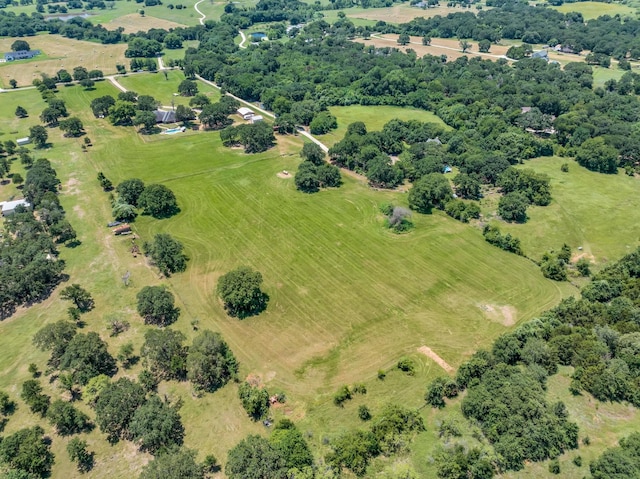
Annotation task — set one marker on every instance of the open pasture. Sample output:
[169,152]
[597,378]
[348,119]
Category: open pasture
[402,13]
[59,53]
[163,89]
[347,297]
[374,117]
[439,46]
[596,211]
[134,23]
[590,10]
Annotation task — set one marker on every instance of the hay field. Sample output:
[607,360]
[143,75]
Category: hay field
[134,23]
[347,297]
[592,10]
[586,208]
[402,13]
[163,88]
[439,46]
[60,53]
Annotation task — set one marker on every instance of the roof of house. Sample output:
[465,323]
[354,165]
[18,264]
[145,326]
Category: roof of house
[244,111]
[21,54]
[12,205]
[163,116]
[541,54]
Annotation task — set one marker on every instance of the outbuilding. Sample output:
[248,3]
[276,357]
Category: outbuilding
[245,113]
[9,207]
[256,118]
[23,141]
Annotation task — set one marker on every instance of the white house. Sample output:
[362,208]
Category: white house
[9,207]
[23,141]
[256,118]
[245,113]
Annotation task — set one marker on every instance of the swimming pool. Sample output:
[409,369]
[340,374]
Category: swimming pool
[173,131]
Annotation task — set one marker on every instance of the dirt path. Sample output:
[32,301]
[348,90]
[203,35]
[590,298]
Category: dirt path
[428,352]
[202,15]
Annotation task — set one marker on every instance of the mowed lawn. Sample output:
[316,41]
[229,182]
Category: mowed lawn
[347,297]
[59,53]
[592,10]
[163,88]
[596,211]
[374,117]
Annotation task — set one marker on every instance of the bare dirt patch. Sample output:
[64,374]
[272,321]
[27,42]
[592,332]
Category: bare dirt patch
[77,209]
[134,23]
[284,174]
[428,352]
[505,315]
[71,188]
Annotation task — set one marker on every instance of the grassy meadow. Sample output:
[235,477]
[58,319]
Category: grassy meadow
[163,88]
[347,297]
[592,210]
[590,10]
[375,117]
[59,53]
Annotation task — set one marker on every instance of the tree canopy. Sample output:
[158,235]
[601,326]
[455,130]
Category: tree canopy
[156,306]
[210,362]
[116,406]
[86,356]
[166,253]
[27,450]
[158,201]
[156,425]
[240,291]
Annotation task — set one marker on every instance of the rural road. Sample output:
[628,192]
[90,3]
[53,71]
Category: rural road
[202,15]
[244,39]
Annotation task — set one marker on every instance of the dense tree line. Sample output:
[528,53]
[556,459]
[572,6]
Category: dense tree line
[28,252]
[482,100]
[23,25]
[598,334]
[612,36]
[621,462]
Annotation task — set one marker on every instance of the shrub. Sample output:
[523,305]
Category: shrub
[343,394]
[407,365]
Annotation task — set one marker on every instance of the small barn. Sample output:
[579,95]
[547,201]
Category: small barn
[245,113]
[256,118]
[21,55]
[23,141]
[164,116]
[9,207]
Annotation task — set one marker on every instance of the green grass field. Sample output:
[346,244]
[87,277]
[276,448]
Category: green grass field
[586,209]
[591,10]
[163,89]
[602,75]
[375,117]
[347,297]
